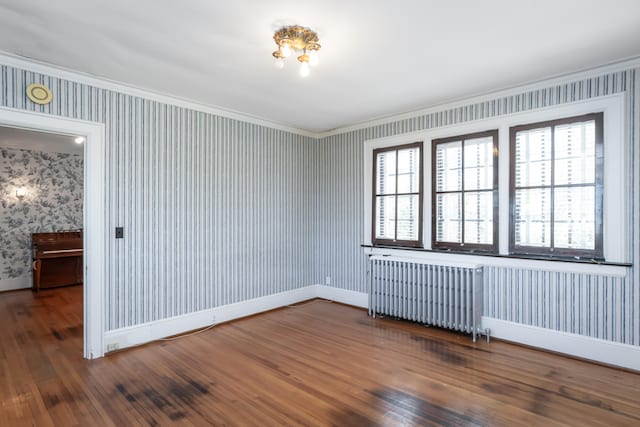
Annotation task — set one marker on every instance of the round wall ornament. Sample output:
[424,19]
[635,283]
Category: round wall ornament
[39,94]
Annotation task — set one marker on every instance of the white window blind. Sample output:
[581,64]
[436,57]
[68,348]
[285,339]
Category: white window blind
[557,187]
[465,189]
[398,195]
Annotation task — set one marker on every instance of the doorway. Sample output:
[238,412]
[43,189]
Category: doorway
[93,215]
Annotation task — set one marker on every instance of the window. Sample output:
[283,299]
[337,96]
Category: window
[562,200]
[556,187]
[465,192]
[397,195]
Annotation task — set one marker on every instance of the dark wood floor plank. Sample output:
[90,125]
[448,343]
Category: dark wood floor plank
[316,364]
[359,371]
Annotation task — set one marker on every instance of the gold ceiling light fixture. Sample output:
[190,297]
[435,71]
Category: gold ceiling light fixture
[298,40]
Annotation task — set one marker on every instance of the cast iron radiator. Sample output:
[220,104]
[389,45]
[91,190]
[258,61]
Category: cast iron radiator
[444,295]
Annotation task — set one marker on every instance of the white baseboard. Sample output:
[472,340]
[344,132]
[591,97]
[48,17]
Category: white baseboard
[613,353]
[22,282]
[147,332]
[358,299]
[609,352]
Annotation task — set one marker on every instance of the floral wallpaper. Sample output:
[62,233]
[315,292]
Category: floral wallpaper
[53,201]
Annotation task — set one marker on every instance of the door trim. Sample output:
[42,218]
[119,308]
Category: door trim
[94,213]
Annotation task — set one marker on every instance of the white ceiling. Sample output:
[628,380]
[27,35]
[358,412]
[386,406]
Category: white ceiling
[378,58]
[38,141]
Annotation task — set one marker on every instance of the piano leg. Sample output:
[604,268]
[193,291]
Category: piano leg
[36,275]
[79,275]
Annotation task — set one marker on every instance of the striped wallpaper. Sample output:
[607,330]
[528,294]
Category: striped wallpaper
[613,304]
[218,211]
[214,210]
[593,305]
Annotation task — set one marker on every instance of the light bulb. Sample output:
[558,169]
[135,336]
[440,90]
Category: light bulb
[79,140]
[313,58]
[279,63]
[285,50]
[304,69]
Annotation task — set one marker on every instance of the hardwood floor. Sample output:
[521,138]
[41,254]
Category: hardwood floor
[316,364]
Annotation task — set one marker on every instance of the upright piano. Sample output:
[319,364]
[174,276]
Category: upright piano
[57,259]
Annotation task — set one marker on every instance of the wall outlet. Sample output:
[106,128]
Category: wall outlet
[327,280]
[112,347]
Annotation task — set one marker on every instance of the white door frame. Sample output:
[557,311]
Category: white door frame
[95,229]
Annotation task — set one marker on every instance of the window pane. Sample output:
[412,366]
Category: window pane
[478,218]
[533,217]
[533,157]
[386,172]
[449,217]
[408,170]
[478,163]
[575,153]
[385,217]
[574,218]
[408,217]
[449,166]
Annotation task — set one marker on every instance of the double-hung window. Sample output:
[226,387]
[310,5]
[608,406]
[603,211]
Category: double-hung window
[397,195]
[465,192]
[556,187]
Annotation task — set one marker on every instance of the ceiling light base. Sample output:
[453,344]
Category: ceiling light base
[297,39]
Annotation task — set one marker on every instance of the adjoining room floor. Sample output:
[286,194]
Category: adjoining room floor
[317,364]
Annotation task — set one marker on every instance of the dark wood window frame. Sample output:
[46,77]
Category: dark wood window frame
[464,247]
[395,242]
[597,253]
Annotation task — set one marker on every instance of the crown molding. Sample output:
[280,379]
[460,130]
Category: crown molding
[36,66]
[612,67]
[56,71]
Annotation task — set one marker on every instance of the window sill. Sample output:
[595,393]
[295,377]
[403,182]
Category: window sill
[537,262]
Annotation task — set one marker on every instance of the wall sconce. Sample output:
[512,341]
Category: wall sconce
[21,192]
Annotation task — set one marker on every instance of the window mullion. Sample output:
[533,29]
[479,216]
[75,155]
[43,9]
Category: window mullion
[462,192]
[395,235]
[553,188]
